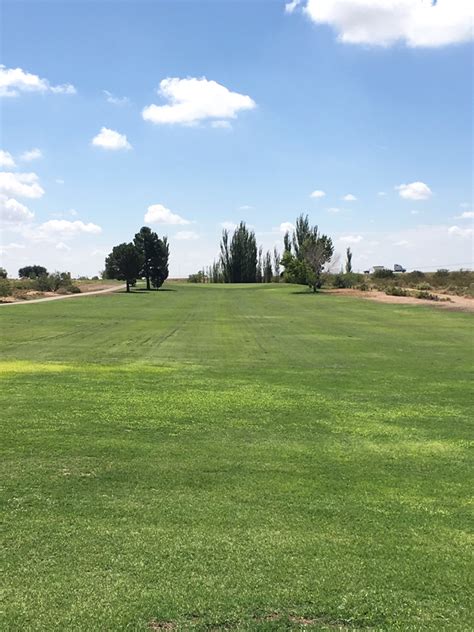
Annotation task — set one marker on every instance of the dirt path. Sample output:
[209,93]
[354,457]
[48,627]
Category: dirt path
[457,303]
[57,298]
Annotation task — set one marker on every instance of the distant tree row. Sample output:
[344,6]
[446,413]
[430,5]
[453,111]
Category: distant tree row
[145,257]
[306,252]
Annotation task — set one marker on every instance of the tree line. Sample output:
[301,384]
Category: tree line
[146,257]
[306,252]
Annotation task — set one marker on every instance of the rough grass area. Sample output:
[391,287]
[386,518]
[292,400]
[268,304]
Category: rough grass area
[235,458]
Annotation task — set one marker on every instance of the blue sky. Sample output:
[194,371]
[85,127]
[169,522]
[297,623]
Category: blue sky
[270,104]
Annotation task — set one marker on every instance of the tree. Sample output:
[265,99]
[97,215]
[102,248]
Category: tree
[124,263]
[145,242]
[3,273]
[317,250]
[348,261]
[267,268]
[32,272]
[159,262]
[276,262]
[238,257]
[307,254]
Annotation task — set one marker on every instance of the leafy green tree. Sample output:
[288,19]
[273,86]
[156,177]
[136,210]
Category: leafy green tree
[239,257]
[145,241]
[348,261]
[124,263]
[159,268]
[276,262]
[306,255]
[32,272]
[3,273]
[267,268]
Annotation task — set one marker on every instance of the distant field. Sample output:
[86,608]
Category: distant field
[235,458]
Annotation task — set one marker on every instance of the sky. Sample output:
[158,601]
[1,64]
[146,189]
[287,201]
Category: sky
[189,116]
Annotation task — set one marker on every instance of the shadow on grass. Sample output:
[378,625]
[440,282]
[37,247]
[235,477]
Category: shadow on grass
[143,290]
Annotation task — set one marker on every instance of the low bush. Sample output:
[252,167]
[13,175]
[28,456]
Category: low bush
[394,290]
[5,287]
[383,274]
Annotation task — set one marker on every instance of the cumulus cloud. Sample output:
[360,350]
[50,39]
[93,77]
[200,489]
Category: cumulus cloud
[62,246]
[13,212]
[65,229]
[111,140]
[286,227]
[291,6]
[414,191]
[351,239]
[15,80]
[159,214]
[20,184]
[317,194]
[466,215]
[110,98]
[417,23]
[186,235]
[6,159]
[31,154]
[460,232]
[221,124]
[193,100]
[349,198]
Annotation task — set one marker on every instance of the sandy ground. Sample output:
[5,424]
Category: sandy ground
[458,303]
[50,296]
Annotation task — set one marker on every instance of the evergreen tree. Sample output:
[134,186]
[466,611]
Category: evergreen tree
[348,261]
[124,263]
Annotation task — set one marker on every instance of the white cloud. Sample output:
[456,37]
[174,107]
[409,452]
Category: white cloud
[20,184]
[186,235]
[466,215]
[14,246]
[460,232]
[417,23]
[221,124]
[110,98]
[286,227]
[349,198]
[291,6]
[402,242]
[193,100]
[228,225]
[351,239]
[15,80]
[317,194]
[6,159]
[65,229]
[62,246]
[13,212]
[333,210]
[111,140]
[32,154]
[159,214]
[414,191]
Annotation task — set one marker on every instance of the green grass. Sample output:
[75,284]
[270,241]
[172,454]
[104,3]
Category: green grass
[235,458]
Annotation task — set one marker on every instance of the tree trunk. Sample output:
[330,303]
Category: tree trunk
[128,286]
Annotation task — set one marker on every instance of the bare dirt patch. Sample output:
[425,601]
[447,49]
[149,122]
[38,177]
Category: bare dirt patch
[456,303]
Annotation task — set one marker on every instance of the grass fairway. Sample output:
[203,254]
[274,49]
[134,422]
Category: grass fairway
[243,458]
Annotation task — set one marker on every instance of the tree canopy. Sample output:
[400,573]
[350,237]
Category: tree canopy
[124,263]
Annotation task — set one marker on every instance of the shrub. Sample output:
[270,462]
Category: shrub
[5,287]
[394,290]
[426,295]
[414,277]
[363,287]
[3,273]
[424,286]
[385,273]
